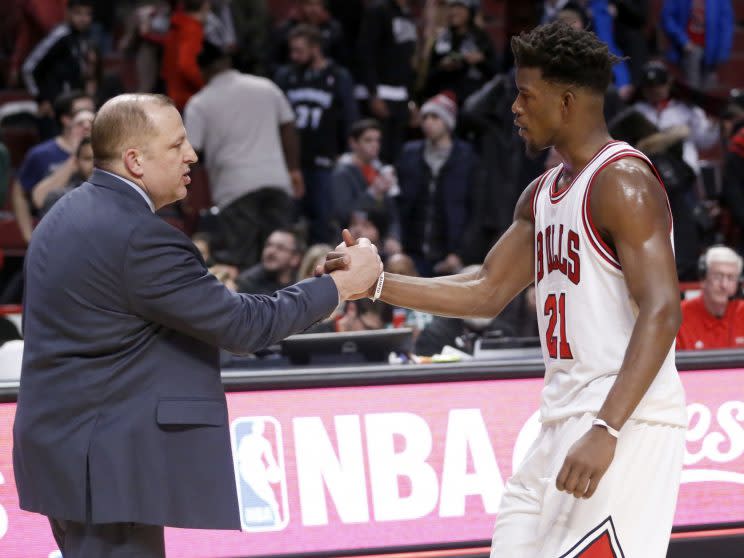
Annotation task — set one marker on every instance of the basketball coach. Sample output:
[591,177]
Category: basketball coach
[121,426]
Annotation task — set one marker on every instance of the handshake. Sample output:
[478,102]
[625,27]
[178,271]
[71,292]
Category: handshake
[354,266]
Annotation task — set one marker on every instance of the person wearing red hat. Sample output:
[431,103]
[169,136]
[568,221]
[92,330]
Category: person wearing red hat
[436,177]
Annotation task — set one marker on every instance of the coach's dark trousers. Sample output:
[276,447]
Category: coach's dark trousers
[108,540]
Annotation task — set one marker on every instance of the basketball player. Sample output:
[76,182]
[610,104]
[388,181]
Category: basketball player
[594,235]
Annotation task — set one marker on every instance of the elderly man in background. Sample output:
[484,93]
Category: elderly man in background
[121,425]
[715,320]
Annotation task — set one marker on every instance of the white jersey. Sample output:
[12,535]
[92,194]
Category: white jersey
[585,312]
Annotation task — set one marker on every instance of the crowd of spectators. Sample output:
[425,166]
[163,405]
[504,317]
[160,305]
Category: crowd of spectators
[388,117]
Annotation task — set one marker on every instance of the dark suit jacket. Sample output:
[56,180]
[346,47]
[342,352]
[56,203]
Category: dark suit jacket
[121,378]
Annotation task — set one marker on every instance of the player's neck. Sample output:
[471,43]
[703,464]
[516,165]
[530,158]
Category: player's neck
[577,152]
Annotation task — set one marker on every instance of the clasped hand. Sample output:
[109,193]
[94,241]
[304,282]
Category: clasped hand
[354,265]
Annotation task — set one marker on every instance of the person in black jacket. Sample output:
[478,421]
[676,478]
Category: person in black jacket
[732,121]
[322,97]
[462,57]
[310,12]
[56,64]
[437,177]
[387,44]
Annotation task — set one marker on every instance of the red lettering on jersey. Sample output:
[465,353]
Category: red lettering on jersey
[574,273]
[564,259]
[539,256]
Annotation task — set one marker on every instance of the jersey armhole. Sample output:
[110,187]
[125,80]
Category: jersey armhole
[595,238]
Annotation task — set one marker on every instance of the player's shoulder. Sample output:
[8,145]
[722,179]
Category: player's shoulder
[628,175]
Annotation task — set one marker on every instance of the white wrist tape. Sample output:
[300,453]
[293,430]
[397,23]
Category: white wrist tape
[378,288]
[599,422]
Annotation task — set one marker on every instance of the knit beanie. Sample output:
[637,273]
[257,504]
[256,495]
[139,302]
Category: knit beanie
[444,106]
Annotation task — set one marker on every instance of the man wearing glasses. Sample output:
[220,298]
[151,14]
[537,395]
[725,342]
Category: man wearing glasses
[715,320]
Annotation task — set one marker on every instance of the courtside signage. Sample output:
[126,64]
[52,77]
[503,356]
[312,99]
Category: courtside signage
[333,469]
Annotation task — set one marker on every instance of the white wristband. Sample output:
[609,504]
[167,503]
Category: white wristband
[611,431]
[378,288]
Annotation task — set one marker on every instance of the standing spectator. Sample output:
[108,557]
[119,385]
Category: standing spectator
[179,69]
[37,19]
[244,127]
[50,157]
[630,25]
[665,149]
[322,96]
[252,27]
[597,16]
[715,320]
[56,64]
[280,259]
[387,45]
[143,39]
[733,162]
[700,33]
[462,58]
[360,182]
[310,12]
[488,118]
[437,178]
[664,112]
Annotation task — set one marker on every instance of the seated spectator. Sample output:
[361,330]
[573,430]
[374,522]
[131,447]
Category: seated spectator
[183,43]
[314,256]
[309,12]
[56,155]
[83,169]
[436,176]
[664,111]
[360,182]
[56,63]
[277,269]
[372,224]
[357,315]
[700,34]
[715,320]
[462,58]
[518,319]
[403,264]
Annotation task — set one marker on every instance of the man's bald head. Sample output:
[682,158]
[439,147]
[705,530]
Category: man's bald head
[123,122]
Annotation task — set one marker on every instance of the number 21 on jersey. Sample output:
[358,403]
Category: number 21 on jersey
[557,341]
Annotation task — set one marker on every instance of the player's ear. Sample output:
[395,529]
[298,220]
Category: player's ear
[568,101]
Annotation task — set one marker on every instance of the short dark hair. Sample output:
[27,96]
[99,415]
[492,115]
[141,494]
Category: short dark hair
[361,126]
[64,101]
[299,238]
[308,32]
[566,55]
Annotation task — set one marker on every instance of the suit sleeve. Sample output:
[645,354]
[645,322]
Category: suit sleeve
[167,283]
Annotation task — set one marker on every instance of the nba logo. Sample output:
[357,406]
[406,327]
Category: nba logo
[258,455]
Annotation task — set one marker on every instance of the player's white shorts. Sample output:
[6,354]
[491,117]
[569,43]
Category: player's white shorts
[629,516]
